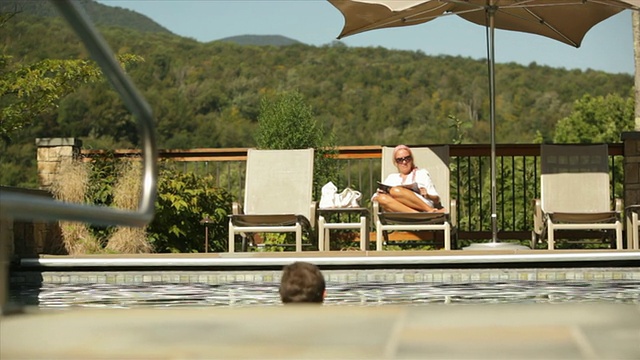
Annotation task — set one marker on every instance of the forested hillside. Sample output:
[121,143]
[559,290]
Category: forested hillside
[275,40]
[208,94]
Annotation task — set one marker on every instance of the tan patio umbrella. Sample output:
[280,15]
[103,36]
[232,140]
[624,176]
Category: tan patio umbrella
[564,20]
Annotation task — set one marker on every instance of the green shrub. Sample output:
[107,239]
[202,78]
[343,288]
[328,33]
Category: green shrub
[287,122]
[184,199]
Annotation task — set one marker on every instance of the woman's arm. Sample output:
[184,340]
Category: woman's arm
[427,188]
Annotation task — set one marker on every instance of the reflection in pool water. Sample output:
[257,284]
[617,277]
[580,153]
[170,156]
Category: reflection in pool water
[52,296]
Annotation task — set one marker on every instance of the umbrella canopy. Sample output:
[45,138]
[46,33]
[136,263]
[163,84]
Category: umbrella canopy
[564,20]
[567,21]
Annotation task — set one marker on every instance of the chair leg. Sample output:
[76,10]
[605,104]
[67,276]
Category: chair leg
[629,231]
[635,244]
[327,240]
[298,238]
[447,238]
[550,238]
[232,244]
[321,233]
[378,238]
[619,237]
[364,234]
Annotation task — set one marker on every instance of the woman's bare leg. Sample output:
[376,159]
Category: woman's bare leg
[409,199]
[388,203]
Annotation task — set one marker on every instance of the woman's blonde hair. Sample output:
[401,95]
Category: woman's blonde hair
[401,147]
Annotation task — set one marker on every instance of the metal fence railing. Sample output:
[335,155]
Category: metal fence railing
[517,175]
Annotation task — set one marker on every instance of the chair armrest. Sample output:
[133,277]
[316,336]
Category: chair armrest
[619,208]
[236,208]
[537,216]
[312,213]
[453,212]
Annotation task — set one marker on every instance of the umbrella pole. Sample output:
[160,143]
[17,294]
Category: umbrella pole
[492,119]
[494,244]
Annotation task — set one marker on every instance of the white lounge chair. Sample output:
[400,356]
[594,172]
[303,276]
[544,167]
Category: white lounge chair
[436,160]
[278,195]
[575,193]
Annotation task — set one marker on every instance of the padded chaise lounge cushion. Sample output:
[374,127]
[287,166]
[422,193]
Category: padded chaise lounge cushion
[586,218]
[411,218]
[270,220]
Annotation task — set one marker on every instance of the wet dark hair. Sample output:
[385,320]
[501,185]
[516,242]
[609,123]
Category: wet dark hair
[302,282]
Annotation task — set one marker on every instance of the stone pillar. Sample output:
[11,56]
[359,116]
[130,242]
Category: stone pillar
[51,153]
[631,167]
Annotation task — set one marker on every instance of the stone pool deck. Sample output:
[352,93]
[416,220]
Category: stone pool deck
[527,331]
[439,331]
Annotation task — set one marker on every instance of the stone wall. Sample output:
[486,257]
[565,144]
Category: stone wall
[51,153]
[29,238]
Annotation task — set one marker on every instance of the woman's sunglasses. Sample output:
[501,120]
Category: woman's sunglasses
[404,159]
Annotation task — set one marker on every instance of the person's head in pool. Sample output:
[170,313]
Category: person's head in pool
[302,282]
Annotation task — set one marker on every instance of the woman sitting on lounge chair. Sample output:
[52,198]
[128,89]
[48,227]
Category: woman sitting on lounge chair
[408,190]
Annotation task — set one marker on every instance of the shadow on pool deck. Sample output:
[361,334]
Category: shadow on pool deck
[525,331]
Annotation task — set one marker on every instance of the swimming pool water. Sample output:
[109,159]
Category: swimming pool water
[162,294]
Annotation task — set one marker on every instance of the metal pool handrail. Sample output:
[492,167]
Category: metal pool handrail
[21,206]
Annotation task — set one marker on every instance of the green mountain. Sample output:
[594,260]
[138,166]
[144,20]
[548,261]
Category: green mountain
[100,14]
[114,16]
[261,40]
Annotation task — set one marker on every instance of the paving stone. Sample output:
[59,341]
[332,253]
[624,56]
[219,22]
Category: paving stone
[526,331]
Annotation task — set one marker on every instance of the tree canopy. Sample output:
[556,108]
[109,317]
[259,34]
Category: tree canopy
[209,94]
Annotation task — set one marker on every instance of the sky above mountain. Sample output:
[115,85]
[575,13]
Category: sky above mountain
[608,46]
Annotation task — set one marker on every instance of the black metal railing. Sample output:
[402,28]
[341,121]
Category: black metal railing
[517,176]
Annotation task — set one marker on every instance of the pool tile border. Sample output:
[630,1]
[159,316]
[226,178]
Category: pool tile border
[332,276]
